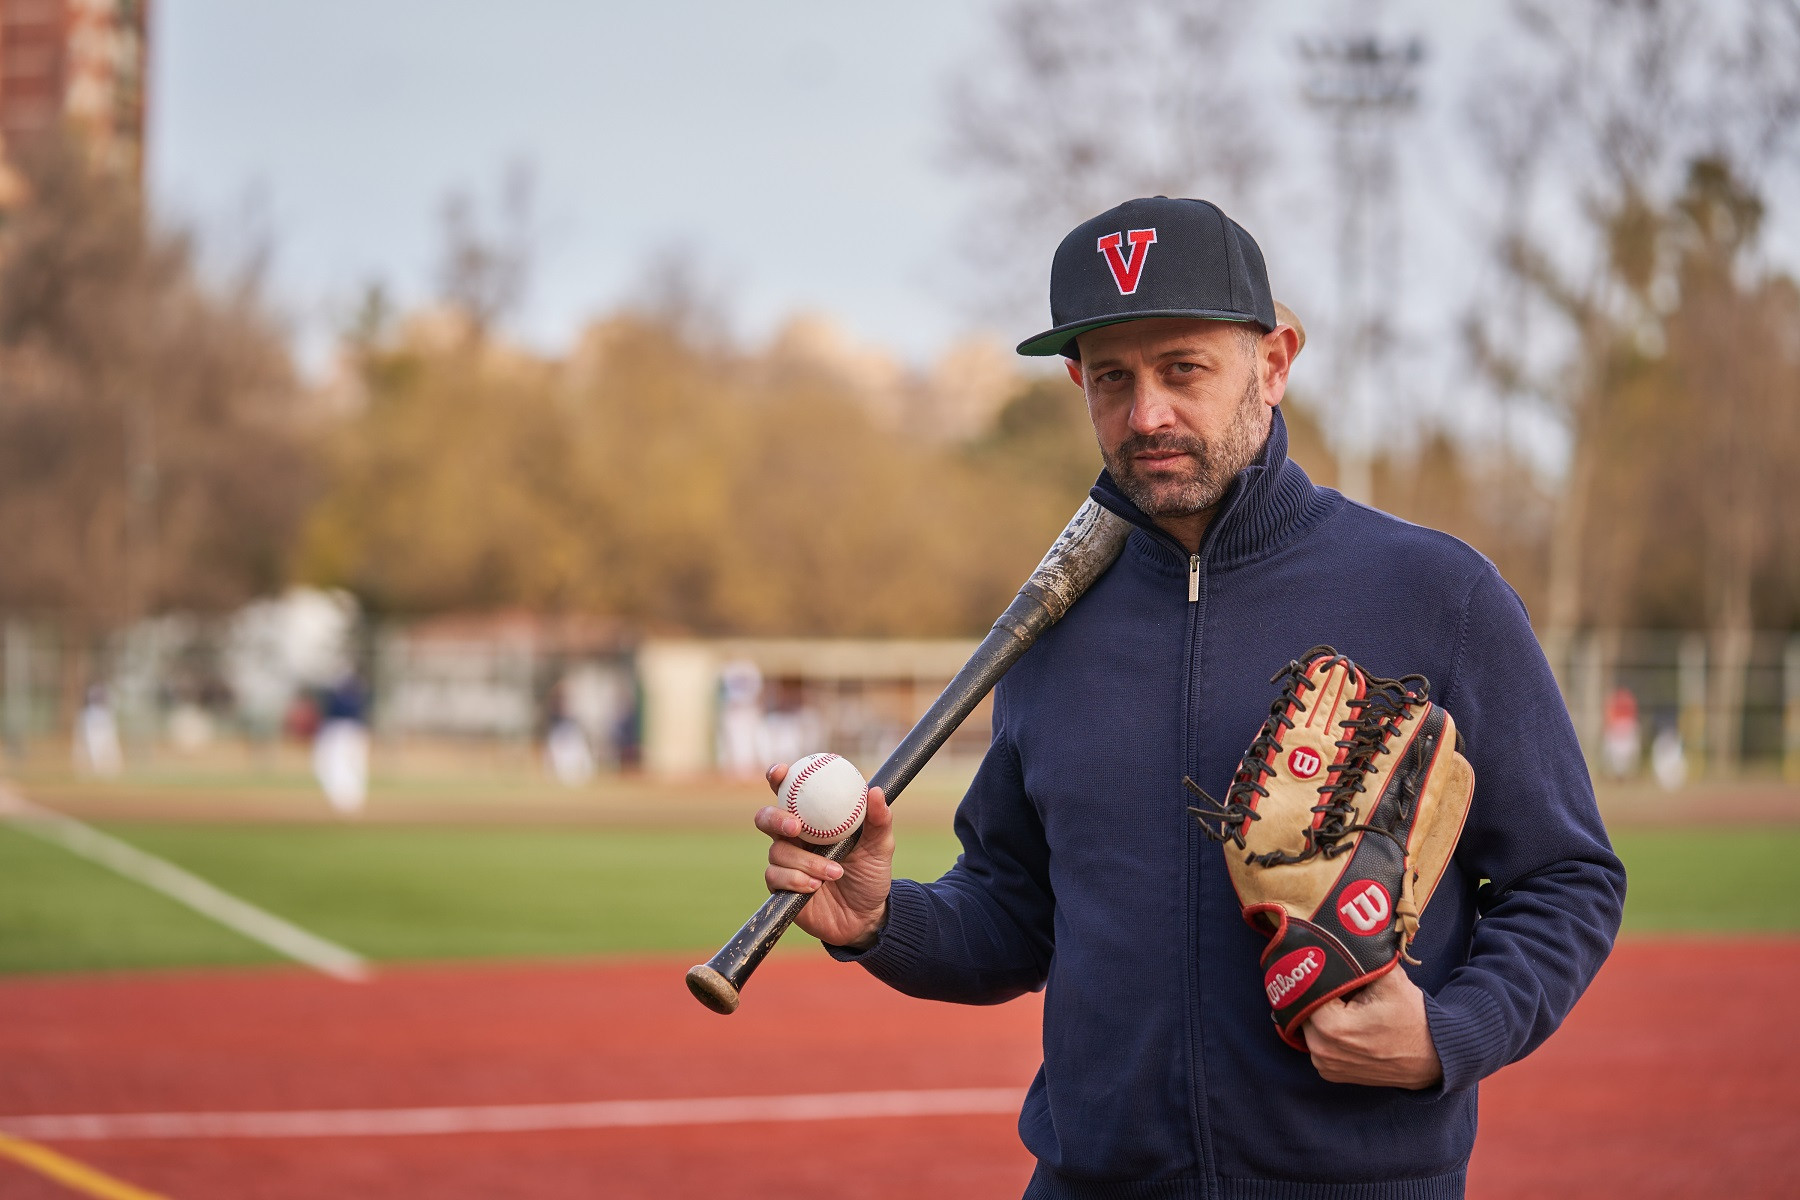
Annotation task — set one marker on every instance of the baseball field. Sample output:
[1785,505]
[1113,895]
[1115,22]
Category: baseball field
[512,1021]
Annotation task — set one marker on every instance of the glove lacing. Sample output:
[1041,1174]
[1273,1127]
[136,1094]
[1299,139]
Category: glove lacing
[1377,717]
[1231,816]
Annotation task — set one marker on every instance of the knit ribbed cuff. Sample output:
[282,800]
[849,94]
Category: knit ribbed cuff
[1470,1036]
[901,938]
[1048,1185]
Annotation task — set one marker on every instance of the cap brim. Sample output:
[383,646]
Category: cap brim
[1052,341]
[1055,341]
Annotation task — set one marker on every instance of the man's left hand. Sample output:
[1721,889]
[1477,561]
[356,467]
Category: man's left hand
[1378,1036]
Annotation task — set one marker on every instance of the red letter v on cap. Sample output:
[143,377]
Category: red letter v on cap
[1127,268]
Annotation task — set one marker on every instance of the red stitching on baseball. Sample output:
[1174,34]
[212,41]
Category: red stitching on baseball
[848,822]
[806,772]
[792,791]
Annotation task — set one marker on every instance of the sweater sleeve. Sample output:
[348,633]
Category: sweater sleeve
[1554,891]
[982,934]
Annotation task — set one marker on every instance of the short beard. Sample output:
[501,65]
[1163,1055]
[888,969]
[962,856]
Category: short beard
[1212,467]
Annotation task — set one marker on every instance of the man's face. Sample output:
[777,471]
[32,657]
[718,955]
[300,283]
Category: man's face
[1179,406]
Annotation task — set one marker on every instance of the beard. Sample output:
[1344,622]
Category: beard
[1211,466]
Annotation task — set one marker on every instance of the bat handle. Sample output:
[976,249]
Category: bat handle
[717,981]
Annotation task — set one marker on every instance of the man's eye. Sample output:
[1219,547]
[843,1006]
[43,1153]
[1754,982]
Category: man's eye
[1182,368]
[1112,377]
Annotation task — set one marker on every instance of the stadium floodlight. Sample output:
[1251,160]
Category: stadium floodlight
[1362,84]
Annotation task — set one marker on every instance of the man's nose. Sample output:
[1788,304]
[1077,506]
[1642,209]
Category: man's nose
[1150,409]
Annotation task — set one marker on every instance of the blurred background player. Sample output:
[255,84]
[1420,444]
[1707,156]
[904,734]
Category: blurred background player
[566,746]
[1623,740]
[97,735]
[341,747]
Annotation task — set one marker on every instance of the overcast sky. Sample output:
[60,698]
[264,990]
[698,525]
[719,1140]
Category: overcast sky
[790,144]
[794,145]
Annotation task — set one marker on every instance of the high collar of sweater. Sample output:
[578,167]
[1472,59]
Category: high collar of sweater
[1270,499]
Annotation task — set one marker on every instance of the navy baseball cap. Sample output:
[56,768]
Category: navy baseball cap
[1155,257]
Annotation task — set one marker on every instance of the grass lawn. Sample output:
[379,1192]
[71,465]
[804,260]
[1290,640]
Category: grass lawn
[411,892]
[1708,881]
[398,892]
[61,913]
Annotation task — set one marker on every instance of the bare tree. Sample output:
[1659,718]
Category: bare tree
[150,456]
[1630,130]
[1724,341]
[485,266]
[1077,105]
[1754,118]
[1582,140]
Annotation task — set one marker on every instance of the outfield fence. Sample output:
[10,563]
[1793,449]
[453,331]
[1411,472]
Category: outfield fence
[685,707]
[1731,706]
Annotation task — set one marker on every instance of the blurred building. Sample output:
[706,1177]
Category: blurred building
[75,67]
[509,676]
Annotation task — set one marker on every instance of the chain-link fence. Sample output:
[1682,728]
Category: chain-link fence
[1676,704]
[1725,708]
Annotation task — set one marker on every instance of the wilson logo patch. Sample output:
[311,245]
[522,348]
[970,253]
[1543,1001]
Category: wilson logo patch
[1366,908]
[1127,265]
[1293,972]
[1304,762]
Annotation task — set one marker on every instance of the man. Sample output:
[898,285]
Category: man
[1082,872]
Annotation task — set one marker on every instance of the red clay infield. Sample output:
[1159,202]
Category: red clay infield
[1665,1082]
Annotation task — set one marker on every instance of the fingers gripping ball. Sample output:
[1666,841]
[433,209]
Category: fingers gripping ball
[828,795]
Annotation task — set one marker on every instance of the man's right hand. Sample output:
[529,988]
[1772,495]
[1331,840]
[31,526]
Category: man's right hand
[851,897]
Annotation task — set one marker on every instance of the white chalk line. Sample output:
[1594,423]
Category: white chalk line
[163,876]
[516,1118]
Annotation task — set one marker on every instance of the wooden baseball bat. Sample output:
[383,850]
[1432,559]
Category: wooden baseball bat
[1080,555]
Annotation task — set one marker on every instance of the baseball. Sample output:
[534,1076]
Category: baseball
[828,795]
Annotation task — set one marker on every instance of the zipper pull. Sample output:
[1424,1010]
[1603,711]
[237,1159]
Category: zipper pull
[1193,578]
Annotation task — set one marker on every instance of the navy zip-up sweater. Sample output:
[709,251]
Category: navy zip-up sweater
[1083,874]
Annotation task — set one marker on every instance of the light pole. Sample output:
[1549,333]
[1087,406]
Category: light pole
[1362,85]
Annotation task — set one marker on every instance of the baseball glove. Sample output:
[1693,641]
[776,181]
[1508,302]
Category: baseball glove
[1346,809]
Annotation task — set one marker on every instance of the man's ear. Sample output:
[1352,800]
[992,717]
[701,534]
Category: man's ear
[1074,371]
[1276,350]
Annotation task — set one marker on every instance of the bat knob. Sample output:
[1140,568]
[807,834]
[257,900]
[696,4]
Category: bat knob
[712,989]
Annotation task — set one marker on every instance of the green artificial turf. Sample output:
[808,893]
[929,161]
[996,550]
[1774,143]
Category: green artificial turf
[61,913]
[397,892]
[447,892]
[401,892]
[1711,881]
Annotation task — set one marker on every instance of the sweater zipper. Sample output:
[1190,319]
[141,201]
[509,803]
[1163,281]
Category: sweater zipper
[1196,1055]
